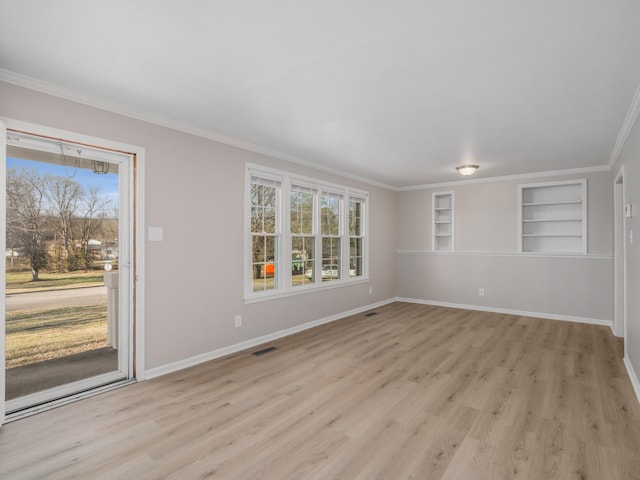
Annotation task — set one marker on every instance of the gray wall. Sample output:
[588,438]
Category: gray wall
[630,159]
[195,191]
[486,243]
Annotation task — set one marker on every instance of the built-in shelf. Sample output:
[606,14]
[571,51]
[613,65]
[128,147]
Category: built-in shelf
[442,223]
[553,217]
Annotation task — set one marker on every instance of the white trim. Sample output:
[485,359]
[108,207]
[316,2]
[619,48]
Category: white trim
[620,258]
[238,347]
[590,256]
[63,391]
[138,294]
[66,400]
[3,261]
[302,289]
[96,102]
[521,313]
[625,129]
[632,376]
[508,178]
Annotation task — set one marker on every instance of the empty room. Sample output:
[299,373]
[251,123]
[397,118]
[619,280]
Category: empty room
[320,240]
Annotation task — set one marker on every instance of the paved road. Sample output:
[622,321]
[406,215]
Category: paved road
[57,298]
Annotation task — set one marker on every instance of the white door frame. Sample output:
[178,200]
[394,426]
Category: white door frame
[135,220]
[620,257]
[3,266]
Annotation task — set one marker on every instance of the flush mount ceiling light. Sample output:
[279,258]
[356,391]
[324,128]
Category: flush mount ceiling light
[467,170]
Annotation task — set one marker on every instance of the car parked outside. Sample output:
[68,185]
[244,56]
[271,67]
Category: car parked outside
[328,272]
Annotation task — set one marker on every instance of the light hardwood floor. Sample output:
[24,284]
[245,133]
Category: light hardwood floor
[414,392]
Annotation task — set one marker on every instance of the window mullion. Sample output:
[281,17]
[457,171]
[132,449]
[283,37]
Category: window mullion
[285,244]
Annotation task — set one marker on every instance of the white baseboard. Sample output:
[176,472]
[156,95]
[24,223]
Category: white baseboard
[550,316]
[632,376]
[221,352]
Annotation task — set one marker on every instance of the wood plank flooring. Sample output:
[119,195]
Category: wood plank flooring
[414,392]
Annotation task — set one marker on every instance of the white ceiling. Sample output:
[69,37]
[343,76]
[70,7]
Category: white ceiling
[399,92]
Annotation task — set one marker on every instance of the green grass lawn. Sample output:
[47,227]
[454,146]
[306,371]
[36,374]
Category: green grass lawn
[21,281]
[37,335]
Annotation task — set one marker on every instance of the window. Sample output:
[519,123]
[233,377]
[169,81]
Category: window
[330,226]
[356,237]
[265,238]
[301,207]
[302,234]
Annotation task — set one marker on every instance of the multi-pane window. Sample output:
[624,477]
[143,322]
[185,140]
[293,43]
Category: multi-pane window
[330,224]
[356,237]
[265,193]
[302,233]
[301,207]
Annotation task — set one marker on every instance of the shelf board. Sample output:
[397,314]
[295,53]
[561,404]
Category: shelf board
[442,209]
[442,235]
[553,220]
[568,235]
[437,222]
[566,202]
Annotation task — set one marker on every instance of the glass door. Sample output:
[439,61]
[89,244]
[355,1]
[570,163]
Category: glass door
[67,316]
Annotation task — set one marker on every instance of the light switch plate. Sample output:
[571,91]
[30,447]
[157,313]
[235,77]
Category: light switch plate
[155,234]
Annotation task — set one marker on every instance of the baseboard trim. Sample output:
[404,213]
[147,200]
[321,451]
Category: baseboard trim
[508,311]
[632,376]
[221,352]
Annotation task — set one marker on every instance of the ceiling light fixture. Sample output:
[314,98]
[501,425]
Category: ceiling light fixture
[467,170]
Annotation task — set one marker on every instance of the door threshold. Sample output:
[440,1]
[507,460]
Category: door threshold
[59,402]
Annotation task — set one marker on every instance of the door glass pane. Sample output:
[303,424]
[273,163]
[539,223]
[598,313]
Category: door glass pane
[62,250]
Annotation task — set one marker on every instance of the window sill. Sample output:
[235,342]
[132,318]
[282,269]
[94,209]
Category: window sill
[293,291]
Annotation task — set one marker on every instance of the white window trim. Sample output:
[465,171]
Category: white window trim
[283,274]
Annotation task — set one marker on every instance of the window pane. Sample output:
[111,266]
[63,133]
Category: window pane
[302,260]
[355,257]
[355,217]
[330,258]
[301,212]
[269,220]
[264,264]
[263,208]
[330,215]
[257,222]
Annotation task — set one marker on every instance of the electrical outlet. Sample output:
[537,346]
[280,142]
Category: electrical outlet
[238,320]
[481,292]
[370,290]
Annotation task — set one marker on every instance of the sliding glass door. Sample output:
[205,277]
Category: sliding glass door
[68,314]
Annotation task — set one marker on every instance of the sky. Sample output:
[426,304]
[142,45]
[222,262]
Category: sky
[107,185]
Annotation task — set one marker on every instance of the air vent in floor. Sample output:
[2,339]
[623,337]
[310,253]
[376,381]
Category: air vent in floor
[264,350]
[370,314]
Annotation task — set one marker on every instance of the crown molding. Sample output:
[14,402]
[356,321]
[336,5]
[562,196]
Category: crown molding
[48,88]
[509,178]
[627,125]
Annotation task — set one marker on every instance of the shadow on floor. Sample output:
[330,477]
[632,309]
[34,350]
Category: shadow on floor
[38,376]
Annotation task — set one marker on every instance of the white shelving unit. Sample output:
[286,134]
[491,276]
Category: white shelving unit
[443,223]
[553,217]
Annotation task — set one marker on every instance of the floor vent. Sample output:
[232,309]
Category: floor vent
[370,314]
[264,350]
